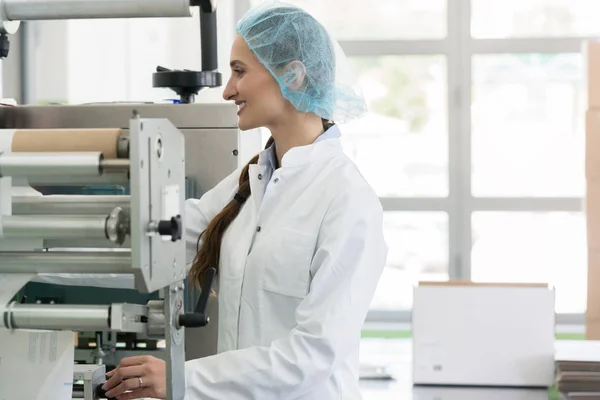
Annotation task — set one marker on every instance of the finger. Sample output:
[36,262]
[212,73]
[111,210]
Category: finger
[137,394]
[122,374]
[129,384]
[111,373]
[136,360]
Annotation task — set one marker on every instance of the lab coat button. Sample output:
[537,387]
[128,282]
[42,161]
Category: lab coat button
[258,229]
[259,176]
[276,180]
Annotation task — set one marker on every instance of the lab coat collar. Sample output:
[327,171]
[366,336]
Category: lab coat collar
[302,155]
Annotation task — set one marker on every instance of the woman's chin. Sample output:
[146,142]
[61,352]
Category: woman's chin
[246,125]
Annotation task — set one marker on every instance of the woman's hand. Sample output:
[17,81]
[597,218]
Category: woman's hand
[141,376]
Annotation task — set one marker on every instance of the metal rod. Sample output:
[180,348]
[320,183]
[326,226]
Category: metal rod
[53,226]
[50,164]
[57,317]
[60,244]
[33,10]
[78,394]
[208,39]
[104,179]
[115,165]
[66,262]
[68,204]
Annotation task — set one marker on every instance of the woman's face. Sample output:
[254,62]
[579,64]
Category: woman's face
[253,88]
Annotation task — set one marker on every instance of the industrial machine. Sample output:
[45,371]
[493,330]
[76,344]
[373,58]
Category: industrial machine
[134,240]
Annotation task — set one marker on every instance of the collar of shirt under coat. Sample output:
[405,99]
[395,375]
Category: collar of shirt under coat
[297,155]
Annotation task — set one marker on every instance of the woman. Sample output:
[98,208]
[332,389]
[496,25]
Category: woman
[296,234]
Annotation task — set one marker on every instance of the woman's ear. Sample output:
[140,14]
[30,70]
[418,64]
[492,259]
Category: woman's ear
[294,75]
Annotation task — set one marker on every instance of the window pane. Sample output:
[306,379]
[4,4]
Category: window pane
[547,247]
[528,124]
[379,19]
[401,146]
[418,250]
[534,18]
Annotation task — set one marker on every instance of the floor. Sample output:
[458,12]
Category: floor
[395,355]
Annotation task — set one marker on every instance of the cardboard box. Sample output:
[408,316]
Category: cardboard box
[592,214]
[592,329]
[469,393]
[483,334]
[591,56]
[592,144]
[592,315]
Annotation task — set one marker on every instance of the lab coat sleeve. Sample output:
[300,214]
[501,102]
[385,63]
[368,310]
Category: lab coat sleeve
[199,212]
[346,267]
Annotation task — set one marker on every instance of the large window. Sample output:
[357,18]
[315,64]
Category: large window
[474,140]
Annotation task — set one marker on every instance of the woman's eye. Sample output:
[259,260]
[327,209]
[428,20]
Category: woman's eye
[239,72]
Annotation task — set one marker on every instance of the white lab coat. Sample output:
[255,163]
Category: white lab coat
[298,269]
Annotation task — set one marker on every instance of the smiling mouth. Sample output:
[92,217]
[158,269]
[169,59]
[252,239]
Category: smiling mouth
[241,106]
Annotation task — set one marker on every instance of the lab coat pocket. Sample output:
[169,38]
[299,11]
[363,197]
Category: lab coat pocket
[288,268]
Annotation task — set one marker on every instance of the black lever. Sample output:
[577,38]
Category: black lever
[199,318]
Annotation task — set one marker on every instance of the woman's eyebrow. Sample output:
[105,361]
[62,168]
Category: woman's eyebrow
[236,63]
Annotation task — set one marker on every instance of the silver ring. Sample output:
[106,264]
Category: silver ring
[140,379]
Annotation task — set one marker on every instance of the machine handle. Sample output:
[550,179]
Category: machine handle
[199,318]
[172,227]
[193,320]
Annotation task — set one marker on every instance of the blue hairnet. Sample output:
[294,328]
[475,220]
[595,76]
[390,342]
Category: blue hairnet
[310,67]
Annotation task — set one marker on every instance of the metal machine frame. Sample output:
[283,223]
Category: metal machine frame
[201,143]
[156,258]
[139,235]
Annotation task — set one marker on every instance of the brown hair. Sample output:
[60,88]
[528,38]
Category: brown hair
[208,255]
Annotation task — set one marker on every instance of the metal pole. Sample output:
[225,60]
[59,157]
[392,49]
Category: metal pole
[113,262]
[68,204]
[57,317]
[33,10]
[53,227]
[64,180]
[115,165]
[208,39]
[50,164]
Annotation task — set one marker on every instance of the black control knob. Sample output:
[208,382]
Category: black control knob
[186,83]
[4,46]
[172,227]
[101,393]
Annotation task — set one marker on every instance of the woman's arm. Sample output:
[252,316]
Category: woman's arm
[346,268]
[350,257]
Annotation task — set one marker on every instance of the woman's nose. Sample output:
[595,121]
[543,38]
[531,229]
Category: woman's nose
[230,90]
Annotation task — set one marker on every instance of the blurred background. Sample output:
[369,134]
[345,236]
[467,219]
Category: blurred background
[475,136]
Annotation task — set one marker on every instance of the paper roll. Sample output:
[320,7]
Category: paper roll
[67,140]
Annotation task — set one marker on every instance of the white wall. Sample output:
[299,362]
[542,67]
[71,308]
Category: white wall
[80,61]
